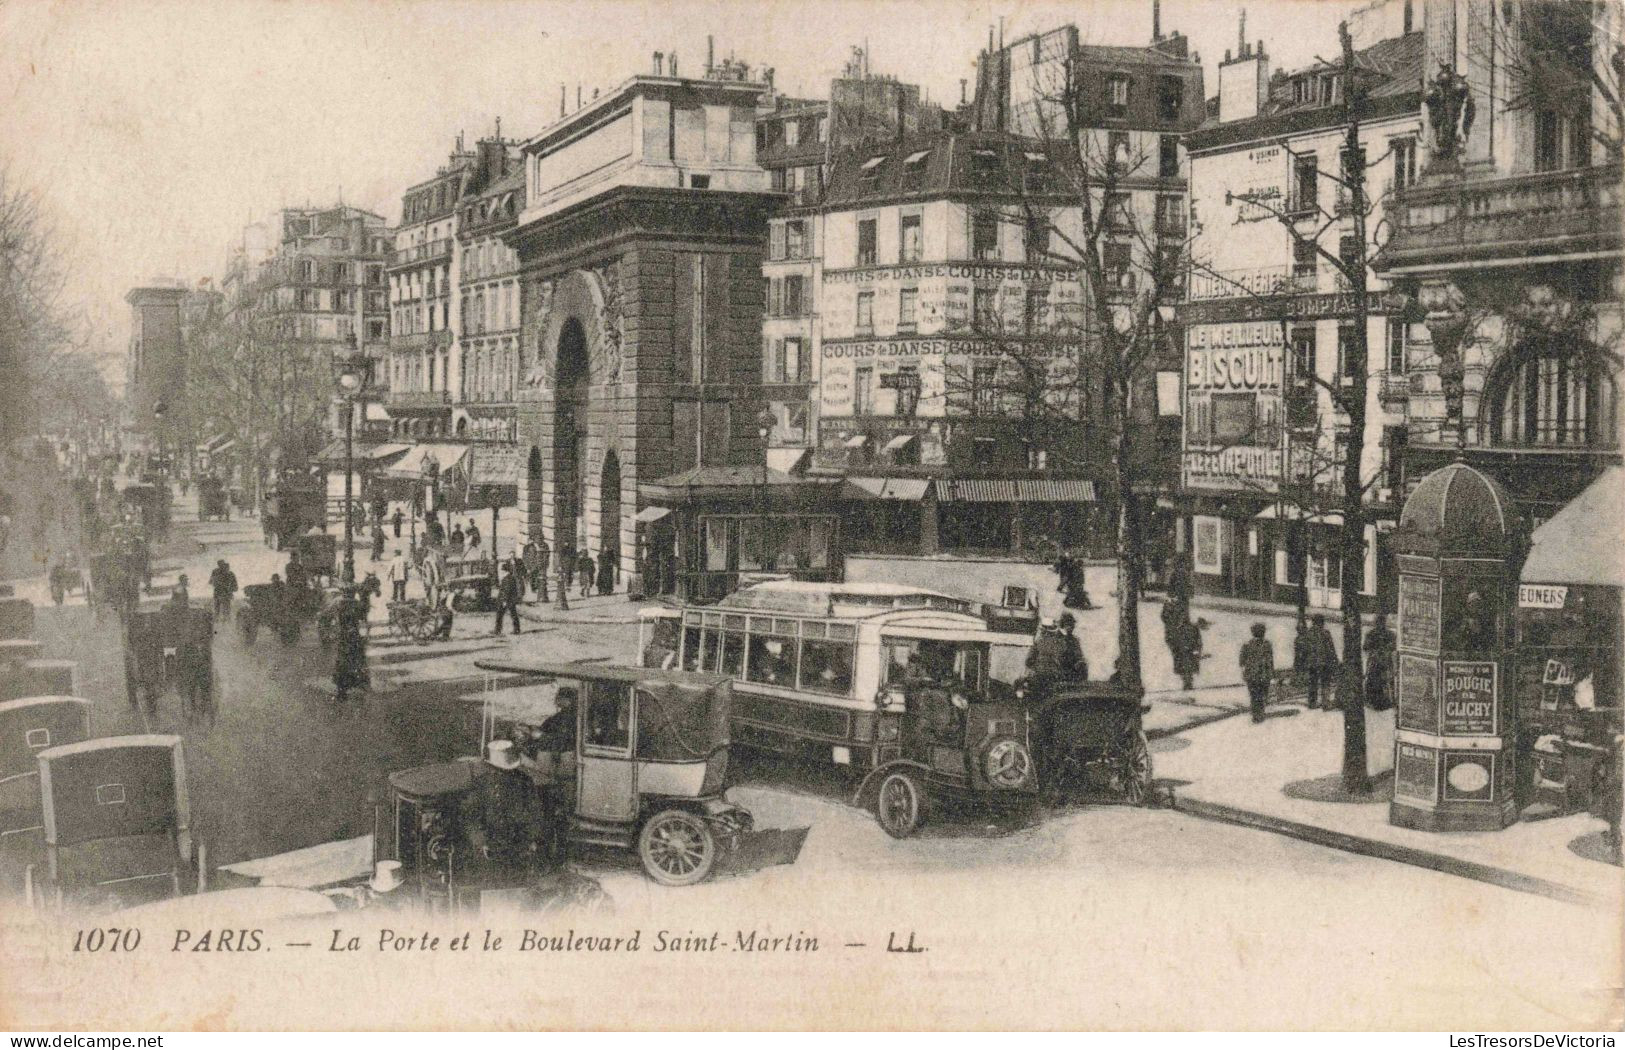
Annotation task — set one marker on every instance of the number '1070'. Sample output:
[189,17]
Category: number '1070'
[111,939]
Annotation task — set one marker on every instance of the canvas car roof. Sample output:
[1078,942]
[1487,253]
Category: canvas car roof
[603,672]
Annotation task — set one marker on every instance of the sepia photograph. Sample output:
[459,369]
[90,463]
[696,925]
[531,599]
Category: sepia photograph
[914,515]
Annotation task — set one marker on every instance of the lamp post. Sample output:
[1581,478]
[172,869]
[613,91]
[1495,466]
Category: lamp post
[159,409]
[764,429]
[352,376]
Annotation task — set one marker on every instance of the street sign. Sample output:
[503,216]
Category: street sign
[900,381]
[1542,596]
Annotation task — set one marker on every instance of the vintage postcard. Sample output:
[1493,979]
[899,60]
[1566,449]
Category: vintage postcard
[535,515]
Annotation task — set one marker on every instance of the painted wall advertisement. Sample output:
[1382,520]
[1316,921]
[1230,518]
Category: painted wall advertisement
[1419,613]
[1416,772]
[1234,377]
[1469,698]
[1418,706]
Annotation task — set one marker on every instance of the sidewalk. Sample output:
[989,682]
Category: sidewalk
[1282,775]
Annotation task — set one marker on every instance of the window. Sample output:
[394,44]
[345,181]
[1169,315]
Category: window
[699,182]
[1303,350]
[866,242]
[907,384]
[914,170]
[307,270]
[1404,151]
[1345,349]
[907,304]
[795,239]
[793,304]
[984,168]
[1170,97]
[826,667]
[1235,417]
[1398,361]
[1037,240]
[1035,311]
[823,129]
[771,660]
[1394,440]
[1348,253]
[865,320]
[1168,157]
[1117,149]
[983,307]
[1548,141]
[863,393]
[1554,400]
[1305,185]
[869,175]
[984,389]
[1117,211]
[795,361]
[775,241]
[609,715]
[911,242]
[1304,260]
[1115,258]
[984,235]
[1171,215]
[792,132]
[1038,177]
[1117,94]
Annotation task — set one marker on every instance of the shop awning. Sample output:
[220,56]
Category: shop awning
[899,441]
[856,441]
[915,158]
[1293,512]
[387,449]
[649,514]
[1576,546]
[376,413]
[410,466]
[1016,490]
[873,162]
[889,488]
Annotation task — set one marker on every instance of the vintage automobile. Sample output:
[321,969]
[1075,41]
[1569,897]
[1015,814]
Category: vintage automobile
[650,764]
[317,553]
[170,648]
[294,504]
[938,739]
[211,499]
[285,614]
[149,503]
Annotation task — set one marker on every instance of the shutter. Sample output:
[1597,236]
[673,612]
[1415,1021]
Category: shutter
[714,357]
[682,317]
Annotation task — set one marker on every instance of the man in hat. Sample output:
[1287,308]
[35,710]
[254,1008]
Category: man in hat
[1257,668]
[535,556]
[224,584]
[1379,664]
[508,595]
[399,572]
[509,815]
[1319,654]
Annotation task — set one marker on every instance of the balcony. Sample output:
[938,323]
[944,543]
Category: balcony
[420,341]
[1544,214]
[418,398]
[1393,387]
[422,253]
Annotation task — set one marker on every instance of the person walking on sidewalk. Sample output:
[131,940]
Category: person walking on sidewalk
[224,584]
[377,541]
[1315,655]
[536,558]
[1185,644]
[606,572]
[1257,668]
[399,571]
[396,520]
[508,599]
[584,573]
[1379,664]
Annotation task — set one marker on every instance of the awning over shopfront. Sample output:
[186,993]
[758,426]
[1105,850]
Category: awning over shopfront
[410,466]
[493,477]
[912,489]
[1293,512]
[1015,490]
[1576,546]
[367,454]
[376,413]
[651,514]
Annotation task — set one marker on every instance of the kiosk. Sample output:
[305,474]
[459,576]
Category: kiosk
[1458,547]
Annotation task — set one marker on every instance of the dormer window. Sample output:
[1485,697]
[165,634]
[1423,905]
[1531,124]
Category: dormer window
[984,167]
[1038,175]
[914,170]
[870,174]
[1117,92]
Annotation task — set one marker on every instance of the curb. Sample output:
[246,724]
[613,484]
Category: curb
[1439,862]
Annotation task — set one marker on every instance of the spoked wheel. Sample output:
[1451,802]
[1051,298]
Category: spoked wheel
[1136,776]
[423,629]
[900,805]
[677,848]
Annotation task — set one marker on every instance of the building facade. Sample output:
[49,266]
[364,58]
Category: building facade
[640,253]
[1510,243]
[155,370]
[1269,320]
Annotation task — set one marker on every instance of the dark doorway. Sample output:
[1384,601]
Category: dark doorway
[533,488]
[609,514]
[573,377]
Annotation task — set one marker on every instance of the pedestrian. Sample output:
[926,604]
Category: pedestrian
[350,664]
[535,556]
[517,567]
[1185,644]
[1257,668]
[1379,664]
[377,542]
[606,572]
[434,572]
[584,572]
[1315,655]
[457,539]
[400,570]
[508,594]
[223,582]
[397,520]
[472,533]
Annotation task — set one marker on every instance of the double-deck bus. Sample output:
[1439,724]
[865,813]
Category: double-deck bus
[814,663]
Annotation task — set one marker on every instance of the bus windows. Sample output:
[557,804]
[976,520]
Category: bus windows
[691,648]
[733,654]
[712,647]
[826,667]
[771,661]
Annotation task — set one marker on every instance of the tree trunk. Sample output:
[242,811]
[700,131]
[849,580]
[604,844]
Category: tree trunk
[1130,560]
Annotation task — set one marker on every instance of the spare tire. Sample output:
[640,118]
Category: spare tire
[1007,764]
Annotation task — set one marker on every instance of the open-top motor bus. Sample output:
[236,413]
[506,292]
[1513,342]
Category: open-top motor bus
[811,662]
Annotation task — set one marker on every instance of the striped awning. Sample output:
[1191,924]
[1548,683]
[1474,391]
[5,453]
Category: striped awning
[1015,490]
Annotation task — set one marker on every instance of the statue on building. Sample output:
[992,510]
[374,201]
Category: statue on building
[1449,104]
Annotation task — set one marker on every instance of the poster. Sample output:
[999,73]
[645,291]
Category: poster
[1416,772]
[1206,554]
[1470,697]
[1419,613]
[1469,776]
[1418,694]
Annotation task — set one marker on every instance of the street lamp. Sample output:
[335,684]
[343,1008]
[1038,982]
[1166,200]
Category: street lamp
[159,408]
[351,378]
[764,429]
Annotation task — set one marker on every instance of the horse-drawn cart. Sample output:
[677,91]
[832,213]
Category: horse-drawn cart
[170,648]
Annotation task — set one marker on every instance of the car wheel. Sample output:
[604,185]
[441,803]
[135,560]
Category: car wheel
[677,848]
[900,805]
[1007,764]
[1137,771]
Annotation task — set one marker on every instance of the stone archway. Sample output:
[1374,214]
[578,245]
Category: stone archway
[572,380]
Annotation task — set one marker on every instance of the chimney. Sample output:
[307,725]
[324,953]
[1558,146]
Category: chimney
[1244,79]
[660,63]
[674,63]
[562,97]
[1409,16]
[710,54]
[578,96]
[961,91]
[767,75]
[1156,20]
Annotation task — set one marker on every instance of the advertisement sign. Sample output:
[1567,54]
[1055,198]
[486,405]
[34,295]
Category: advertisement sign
[1419,613]
[1469,776]
[1542,596]
[870,348]
[1470,696]
[1418,701]
[1416,772]
[1250,467]
[1205,554]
